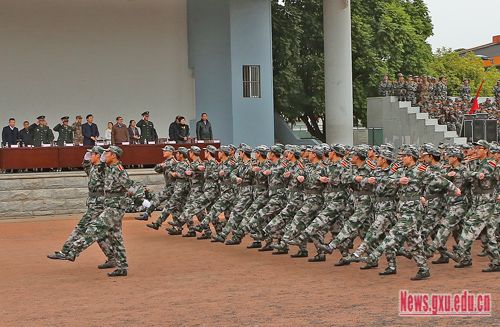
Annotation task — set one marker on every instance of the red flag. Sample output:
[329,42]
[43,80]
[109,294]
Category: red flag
[475,104]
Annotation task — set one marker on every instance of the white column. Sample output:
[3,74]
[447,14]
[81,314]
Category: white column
[338,71]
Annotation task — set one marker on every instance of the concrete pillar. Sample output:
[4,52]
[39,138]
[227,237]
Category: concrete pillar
[338,71]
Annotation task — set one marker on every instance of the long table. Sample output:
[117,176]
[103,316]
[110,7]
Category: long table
[72,157]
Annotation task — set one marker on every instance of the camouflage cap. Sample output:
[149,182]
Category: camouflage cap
[318,151]
[410,151]
[281,146]
[246,149]
[168,148]
[482,143]
[455,153]
[303,148]
[225,149]
[326,148]
[182,150]
[360,151]
[242,145]
[115,149]
[96,149]
[386,154]
[276,150]
[400,74]
[495,149]
[232,147]
[211,149]
[196,150]
[466,146]
[262,149]
[339,149]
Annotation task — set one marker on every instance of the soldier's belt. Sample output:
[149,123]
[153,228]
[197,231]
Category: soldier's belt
[313,191]
[409,198]
[483,191]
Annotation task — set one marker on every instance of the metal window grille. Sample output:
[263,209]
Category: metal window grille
[251,81]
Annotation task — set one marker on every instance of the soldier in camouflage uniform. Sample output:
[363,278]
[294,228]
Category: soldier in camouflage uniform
[65,132]
[260,194]
[196,177]
[313,202]
[242,176]
[276,202]
[275,228]
[384,207]
[95,170]
[411,90]
[108,225]
[481,215]
[385,87]
[356,178]
[227,195]
[496,92]
[148,132]
[456,207]
[177,201]
[410,180]
[165,168]
[399,88]
[334,208]
[465,91]
[441,89]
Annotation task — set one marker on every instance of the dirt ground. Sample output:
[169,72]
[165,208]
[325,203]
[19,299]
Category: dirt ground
[175,281]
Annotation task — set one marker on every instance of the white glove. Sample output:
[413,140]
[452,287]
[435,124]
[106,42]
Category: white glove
[103,157]
[87,156]
[146,204]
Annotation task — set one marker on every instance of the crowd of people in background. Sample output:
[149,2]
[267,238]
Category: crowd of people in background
[87,134]
[431,95]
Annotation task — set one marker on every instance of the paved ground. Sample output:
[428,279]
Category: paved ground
[175,281]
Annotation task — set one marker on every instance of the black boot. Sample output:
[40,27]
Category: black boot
[388,271]
[255,245]
[267,247]
[483,253]
[492,268]
[320,257]
[217,239]
[342,262]
[369,266]
[421,275]
[205,236]
[118,272]
[107,265]
[57,256]
[174,231]
[191,233]
[153,225]
[280,252]
[463,264]
[441,260]
[233,241]
[300,254]
[144,217]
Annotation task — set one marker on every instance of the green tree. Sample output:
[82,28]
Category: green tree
[388,36]
[457,67]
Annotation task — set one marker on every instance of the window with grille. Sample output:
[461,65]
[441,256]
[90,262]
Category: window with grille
[251,81]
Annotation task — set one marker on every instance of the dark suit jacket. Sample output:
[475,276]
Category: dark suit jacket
[25,137]
[133,131]
[10,136]
[88,131]
[204,130]
[173,132]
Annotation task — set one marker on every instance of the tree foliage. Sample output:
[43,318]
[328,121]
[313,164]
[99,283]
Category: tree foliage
[457,67]
[388,36]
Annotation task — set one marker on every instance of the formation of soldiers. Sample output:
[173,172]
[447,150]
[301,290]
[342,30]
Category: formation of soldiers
[415,88]
[404,203]
[111,191]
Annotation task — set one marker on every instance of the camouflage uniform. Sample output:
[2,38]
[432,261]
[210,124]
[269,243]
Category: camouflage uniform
[411,92]
[400,90]
[164,168]
[496,92]
[481,215]
[385,88]
[108,225]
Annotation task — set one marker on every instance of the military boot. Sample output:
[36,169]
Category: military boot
[369,266]
[57,256]
[118,272]
[280,252]
[190,233]
[320,257]
[492,268]
[342,262]
[483,253]
[463,264]
[441,260]
[155,226]
[421,275]
[300,254]
[255,245]
[267,247]
[144,216]
[217,239]
[388,271]
[174,231]
[205,236]
[233,241]
[107,265]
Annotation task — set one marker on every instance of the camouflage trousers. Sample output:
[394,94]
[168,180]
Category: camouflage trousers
[193,206]
[93,211]
[313,203]
[260,220]
[362,214]
[108,227]
[433,214]
[175,205]
[332,212]
[480,216]
[454,216]
[404,230]
[261,197]
[276,227]
[243,201]
[160,197]
[385,218]
[223,204]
